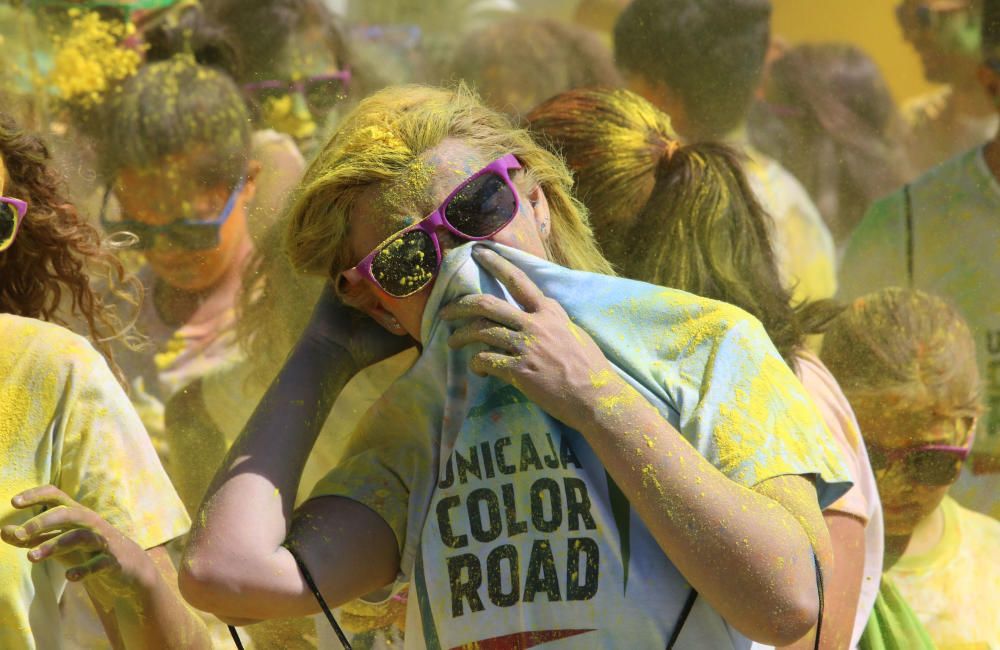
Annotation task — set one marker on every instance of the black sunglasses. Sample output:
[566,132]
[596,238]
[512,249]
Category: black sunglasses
[184,233]
[929,464]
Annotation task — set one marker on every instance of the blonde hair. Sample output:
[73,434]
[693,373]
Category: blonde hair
[906,350]
[381,141]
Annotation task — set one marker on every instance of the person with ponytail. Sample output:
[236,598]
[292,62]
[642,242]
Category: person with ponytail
[701,61]
[84,501]
[683,216]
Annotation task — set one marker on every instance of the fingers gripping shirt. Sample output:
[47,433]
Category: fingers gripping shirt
[511,532]
[64,420]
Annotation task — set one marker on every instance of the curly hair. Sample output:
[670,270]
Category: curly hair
[59,268]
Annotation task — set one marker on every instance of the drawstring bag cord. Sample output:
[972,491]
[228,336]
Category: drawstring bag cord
[689,605]
[319,598]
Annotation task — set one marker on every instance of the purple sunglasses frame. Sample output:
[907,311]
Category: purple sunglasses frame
[20,209]
[894,455]
[429,224]
[299,86]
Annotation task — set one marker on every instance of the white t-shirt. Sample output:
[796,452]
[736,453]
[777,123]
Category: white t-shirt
[65,421]
[954,588]
[525,538]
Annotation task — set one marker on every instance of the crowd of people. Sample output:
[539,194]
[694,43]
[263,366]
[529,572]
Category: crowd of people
[495,324]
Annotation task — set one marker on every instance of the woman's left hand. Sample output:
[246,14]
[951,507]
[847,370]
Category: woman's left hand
[93,550]
[539,350]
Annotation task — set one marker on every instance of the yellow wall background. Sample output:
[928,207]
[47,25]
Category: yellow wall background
[869,24]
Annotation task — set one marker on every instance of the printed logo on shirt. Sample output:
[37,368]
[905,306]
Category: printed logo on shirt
[490,514]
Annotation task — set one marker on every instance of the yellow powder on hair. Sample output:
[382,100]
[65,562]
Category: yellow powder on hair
[89,61]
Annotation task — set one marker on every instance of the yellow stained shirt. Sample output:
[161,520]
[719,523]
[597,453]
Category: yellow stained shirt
[955,588]
[64,420]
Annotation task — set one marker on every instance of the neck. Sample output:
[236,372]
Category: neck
[969,99]
[181,306]
[925,536]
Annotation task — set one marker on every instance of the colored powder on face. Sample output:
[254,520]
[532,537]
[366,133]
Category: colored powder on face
[409,192]
[280,114]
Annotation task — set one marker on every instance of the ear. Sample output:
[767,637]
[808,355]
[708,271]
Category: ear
[539,210]
[358,293]
[968,429]
[253,172]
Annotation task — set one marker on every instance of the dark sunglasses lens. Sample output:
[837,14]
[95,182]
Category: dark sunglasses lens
[878,458]
[933,467]
[267,96]
[8,224]
[481,208]
[406,265]
[323,95]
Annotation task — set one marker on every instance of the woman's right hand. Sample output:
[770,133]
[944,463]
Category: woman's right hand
[338,328]
[88,546]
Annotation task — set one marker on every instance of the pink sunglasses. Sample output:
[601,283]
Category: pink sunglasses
[12,213]
[483,205]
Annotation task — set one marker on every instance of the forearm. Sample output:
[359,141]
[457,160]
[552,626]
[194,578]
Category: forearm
[245,517]
[842,584]
[747,555]
[158,618]
[149,612]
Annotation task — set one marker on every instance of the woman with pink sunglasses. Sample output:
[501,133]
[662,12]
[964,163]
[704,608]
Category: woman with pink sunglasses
[907,362]
[572,456]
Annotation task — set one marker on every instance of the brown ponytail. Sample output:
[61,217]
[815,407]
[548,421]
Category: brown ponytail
[681,216]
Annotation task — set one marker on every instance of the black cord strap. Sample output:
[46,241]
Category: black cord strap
[819,589]
[236,637]
[685,612]
[319,599]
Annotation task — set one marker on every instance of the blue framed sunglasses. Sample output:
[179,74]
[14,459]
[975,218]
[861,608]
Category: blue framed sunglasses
[183,233]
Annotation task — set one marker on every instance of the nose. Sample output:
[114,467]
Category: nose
[447,239]
[161,243]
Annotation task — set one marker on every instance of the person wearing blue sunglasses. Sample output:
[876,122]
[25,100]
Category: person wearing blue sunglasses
[182,190]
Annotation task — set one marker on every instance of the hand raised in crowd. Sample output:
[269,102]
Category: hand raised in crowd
[81,540]
[538,350]
[335,326]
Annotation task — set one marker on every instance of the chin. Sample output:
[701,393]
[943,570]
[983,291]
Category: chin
[192,282]
[898,524]
[898,528]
